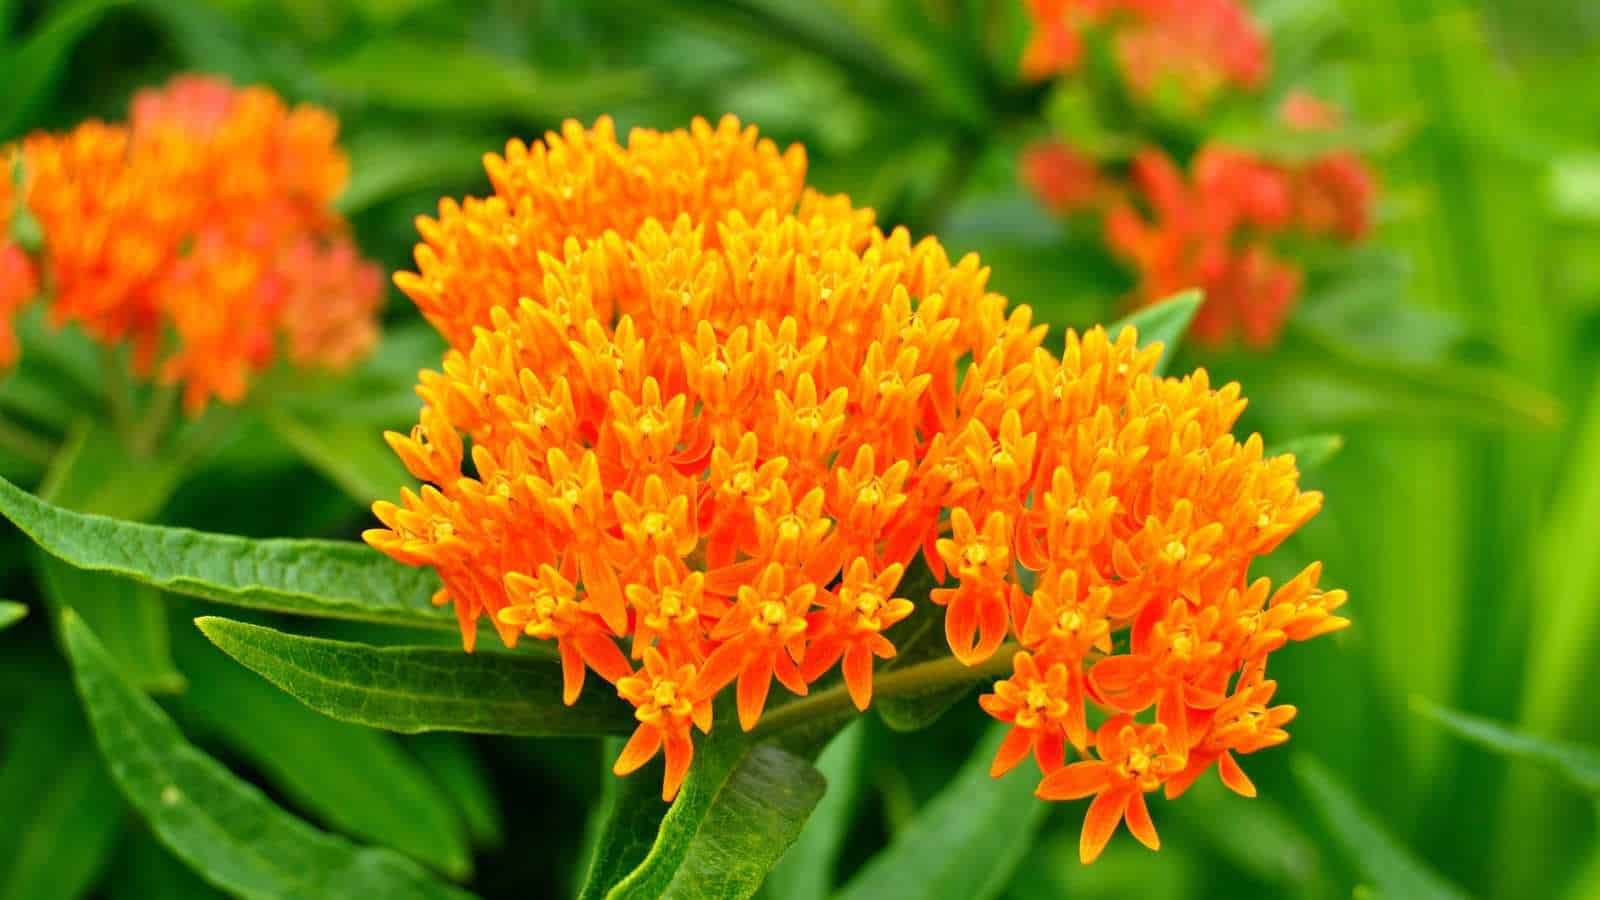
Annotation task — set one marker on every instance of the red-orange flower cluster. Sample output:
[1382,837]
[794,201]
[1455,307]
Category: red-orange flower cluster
[1216,229]
[704,451]
[1190,49]
[202,233]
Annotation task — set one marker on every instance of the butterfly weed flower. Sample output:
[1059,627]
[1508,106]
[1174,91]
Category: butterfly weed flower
[701,443]
[1184,50]
[201,233]
[19,280]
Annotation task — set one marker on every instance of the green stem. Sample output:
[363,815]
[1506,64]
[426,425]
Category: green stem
[921,678]
[24,443]
[157,416]
[203,436]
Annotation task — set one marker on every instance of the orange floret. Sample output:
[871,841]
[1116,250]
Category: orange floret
[202,233]
[722,438]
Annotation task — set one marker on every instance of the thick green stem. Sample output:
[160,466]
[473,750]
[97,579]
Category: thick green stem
[921,678]
[119,392]
[157,416]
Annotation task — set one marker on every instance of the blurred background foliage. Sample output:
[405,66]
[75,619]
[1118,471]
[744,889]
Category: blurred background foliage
[1456,356]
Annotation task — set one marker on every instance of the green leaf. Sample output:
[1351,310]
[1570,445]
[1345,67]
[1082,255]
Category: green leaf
[1580,765]
[807,871]
[623,828]
[974,818]
[391,164]
[353,455]
[33,68]
[1255,834]
[336,579]
[1166,322]
[355,780]
[206,38]
[132,616]
[1310,452]
[95,473]
[223,827]
[737,812]
[444,77]
[11,613]
[414,689]
[455,766]
[380,393]
[1329,378]
[1376,852]
[61,813]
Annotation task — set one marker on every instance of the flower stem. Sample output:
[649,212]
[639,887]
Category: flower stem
[157,416]
[921,678]
[119,392]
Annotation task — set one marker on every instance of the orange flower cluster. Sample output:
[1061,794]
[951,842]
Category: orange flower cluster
[1190,49]
[1216,229]
[202,233]
[704,454]
[18,280]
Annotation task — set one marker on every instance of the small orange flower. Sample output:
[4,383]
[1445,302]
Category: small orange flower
[1133,760]
[1040,701]
[762,636]
[1243,723]
[208,216]
[722,426]
[850,625]
[668,702]
[548,607]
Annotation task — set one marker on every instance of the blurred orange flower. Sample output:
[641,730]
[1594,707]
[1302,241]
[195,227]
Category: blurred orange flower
[1190,49]
[722,435]
[202,233]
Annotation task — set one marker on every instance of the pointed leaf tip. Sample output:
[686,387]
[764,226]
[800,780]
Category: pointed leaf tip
[1166,322]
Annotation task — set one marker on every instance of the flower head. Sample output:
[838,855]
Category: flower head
[724,432]
[207,216]
[1215,227]
[1185,49]
[19,281]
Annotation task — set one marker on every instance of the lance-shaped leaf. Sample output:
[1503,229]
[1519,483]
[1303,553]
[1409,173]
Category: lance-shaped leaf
[1310,452]
[355,780]
[623,828]
[741,807]
[352,455]
[414,689]
[1380,857]
[31,70]
[1167,322]
[223,827]
[454,764]
[807,870]
[1580,765]
[96,473]
[966,842]
[11,613]
[337,579]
